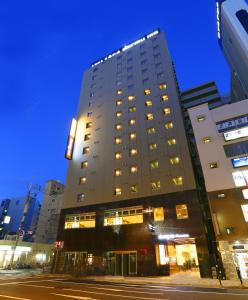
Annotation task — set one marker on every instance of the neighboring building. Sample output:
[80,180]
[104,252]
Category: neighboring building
[232,26]
[11,214]
[50,211]
[221,136]
[130,201]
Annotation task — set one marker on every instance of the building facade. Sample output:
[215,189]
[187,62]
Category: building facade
[221,136]
[50,212]
[130,203]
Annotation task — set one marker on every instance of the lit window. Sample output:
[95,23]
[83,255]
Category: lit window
[153,146]
[89,125]
[118,114]
[172,141]
[132,109]
[158,214]
[148,103]
[118,155]
[118,140]
[131,98]
[174,160]
[80,197]
[133,188]
[123,216]
[119,92]
[86,150]
[155,185]
[149,116]
[164,97]
[119,102]
[133,169]
[169,125]
[84,164]
[201,118]
[118,126]
[118,172]
[82,180]
[87,137]
[132,122]
[182,211]
[245,193]
[85,220]
[162,86]
[147,91]
[245,211]
[150,130]
[117,191]
[213,165]
[133,152]
[132,136]
[222,195]
[166,111]
[178,180]
[154,164]
[206,140]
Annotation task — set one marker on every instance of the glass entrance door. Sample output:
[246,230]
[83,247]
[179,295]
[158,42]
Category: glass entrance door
[122,263]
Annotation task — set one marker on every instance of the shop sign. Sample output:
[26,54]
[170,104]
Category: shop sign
[59,244]
[240,178]
[232,123]
[238,247]
[236,134]
[240,162]
[71,140]
[173,236]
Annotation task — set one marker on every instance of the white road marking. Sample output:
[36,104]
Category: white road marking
[30,281]
[40,286]
[74,297]
[12,297]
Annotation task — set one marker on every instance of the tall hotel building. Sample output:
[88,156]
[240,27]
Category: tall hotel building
[131,204]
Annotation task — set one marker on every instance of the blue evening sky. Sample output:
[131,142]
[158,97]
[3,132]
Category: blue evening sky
[45,47]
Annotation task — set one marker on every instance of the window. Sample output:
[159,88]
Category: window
[144,71]
[123,216]
[213,165]
[132,122]
[207,140]
[86,150]
[133,169]
[169,125]
[242,16]
[89,114]
[132,135]
[118,172]
[84,164]
[82,180]
[201,118]
[130,68]
[118,155]
[149,116]
[84,220]
[174,160]
[80,197]
[148,102]
[158,214]
[119,102]
[164,97]
[117,191]
[166,111]
[177,180]
[142,53]
[155,185]
[133,152]
[154,164]
[131,97]
[118,114]
[150,130]
[132,109]
[172,141]
[89,125]
[182,211]
[162,86]
[129,77]
[143,62]
[158,65]
[245,193]
[147,91]
[145,80]
[87,137]
[119,92]
[244,208]
[118,126]
[236,149]
[133,188]
[160,75]
[153,146]
[118,140]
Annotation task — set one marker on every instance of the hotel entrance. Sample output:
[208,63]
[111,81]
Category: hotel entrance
[121,263]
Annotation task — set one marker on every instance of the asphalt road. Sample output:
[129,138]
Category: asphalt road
[46,288]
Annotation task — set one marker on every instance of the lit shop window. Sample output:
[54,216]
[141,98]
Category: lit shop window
[80,197]
[132,135]
[154,164]
[240,178]
[153,146]
[82,180]
[118,140]
[172,141]
[86,150]
[148,102]
[158,214]
[155,185]
[131,97]
[174,160]
[245,193]
[89,125]
[117,191]
[118,155]
[245,211]
[149,116]
[166,111]
[150,130]
[133,188]
[213,165]
[207,140]
[118,172]
[169,125]
[162,86]
[123,216]
[87,137]
[118,126]
[85,220]
[119,102]
[177,180]
[201,118]
[182,211]
[84,164]
[132,122]
[147,91]
[132,109]
[164,97]
[133,151]
[118,114]
[119,92]
[133,169]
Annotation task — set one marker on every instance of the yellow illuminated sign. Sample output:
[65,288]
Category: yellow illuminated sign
[71,139]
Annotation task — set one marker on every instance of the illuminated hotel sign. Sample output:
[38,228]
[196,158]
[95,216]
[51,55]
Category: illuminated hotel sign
[71,140]
[240,162]
[240,178]
[232,124]
[126,47]
[218,19]
[236,134]
[173,236]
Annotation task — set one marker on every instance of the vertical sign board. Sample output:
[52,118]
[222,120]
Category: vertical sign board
[71,140]
[218,20]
